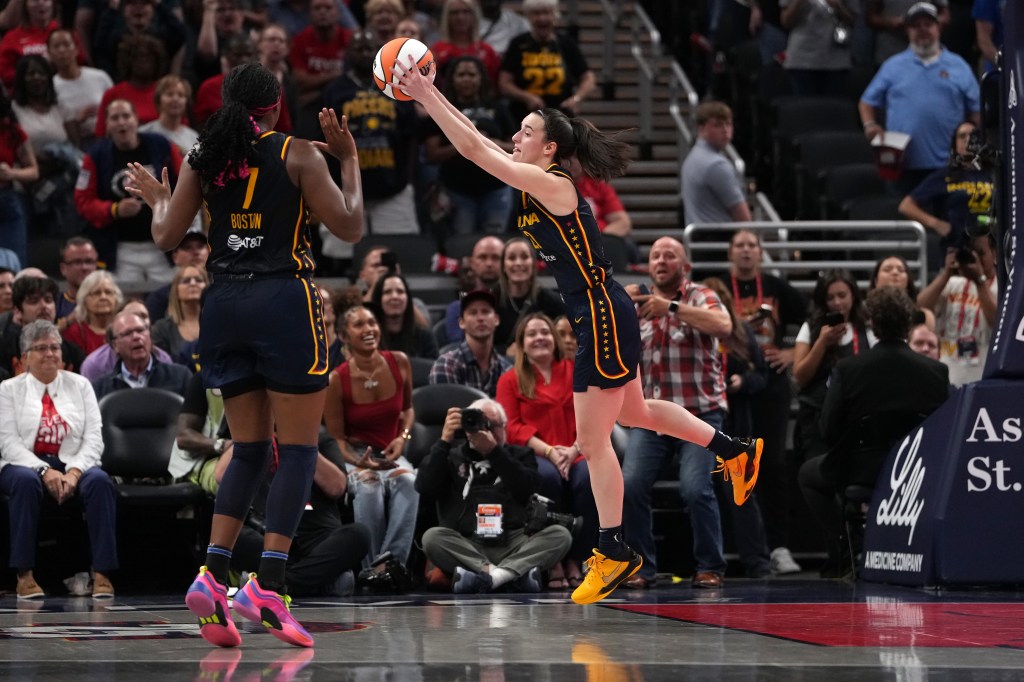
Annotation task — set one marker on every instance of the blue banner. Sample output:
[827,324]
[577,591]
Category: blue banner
[947,504]
[1006,355]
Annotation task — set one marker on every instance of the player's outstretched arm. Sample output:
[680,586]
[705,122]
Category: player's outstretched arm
[340,209]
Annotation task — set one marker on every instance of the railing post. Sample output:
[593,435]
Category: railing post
[608,47]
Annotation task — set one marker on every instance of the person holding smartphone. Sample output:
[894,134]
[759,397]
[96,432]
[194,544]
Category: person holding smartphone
[836,328]
[369,412]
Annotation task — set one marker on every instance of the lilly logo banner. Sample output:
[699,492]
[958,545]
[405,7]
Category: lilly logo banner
[946,506]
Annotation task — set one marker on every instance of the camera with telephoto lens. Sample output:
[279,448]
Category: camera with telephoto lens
[539,516]
[474,420]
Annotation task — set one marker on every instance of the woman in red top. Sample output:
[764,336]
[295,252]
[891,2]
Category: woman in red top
[38,21]
[537,396]
[368,410]
[99,298]
[460,36]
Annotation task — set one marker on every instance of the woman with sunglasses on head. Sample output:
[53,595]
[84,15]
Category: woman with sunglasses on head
[559,224]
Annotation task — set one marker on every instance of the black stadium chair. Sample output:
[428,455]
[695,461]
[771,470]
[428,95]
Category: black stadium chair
[440,333]
[617,253]
[875,207]
[420,371]
[819,151]
[139,428]
[792,116]
[842,185]
[430,404]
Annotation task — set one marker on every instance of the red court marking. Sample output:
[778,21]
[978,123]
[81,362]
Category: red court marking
[876,624]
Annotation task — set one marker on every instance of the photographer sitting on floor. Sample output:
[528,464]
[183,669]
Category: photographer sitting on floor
[483,490]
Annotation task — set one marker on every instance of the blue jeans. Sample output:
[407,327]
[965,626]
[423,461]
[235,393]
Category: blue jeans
[483,213]
[386,503]
[13,224]
[643,462]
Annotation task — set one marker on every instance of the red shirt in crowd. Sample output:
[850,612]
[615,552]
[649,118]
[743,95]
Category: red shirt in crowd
[142,100]
[22,40]
[549,415]
[52,429]
[11,139]
[602,198]
[208,100]
[444,52]
[315,56]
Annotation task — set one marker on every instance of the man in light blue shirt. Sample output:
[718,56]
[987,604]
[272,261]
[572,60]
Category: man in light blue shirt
[926,92]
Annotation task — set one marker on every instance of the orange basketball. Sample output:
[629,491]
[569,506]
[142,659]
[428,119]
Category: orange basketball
[398,51]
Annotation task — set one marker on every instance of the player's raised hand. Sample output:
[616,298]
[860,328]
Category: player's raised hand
[340,144]
[142,184]
[409,78]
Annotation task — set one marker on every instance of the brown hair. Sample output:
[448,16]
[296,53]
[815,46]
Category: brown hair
[522,367]
[712,110]
[174,309]
[168,82]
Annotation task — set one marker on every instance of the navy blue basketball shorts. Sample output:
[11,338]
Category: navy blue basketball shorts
[608,335]
[263,333]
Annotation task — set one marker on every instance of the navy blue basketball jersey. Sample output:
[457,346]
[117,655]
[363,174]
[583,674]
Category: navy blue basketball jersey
[601,313]
[259,224]
[570,245]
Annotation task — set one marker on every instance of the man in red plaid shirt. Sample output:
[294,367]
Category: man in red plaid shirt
[680,326]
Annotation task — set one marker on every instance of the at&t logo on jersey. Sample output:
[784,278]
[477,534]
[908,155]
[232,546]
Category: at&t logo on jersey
[235,242]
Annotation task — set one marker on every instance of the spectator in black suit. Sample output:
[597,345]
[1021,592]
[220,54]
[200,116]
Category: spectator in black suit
[889,378]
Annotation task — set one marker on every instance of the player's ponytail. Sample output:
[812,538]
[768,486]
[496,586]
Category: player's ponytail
[601,155]
[225,146]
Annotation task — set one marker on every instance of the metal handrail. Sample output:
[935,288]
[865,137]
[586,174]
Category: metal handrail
[610,21]
[761,201]
[680,90]
[909,238]
[642,25]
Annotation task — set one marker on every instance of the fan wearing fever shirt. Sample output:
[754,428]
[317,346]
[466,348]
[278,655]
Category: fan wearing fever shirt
[318,51]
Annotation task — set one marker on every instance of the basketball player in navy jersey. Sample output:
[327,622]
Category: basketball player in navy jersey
[556,219]
[263,341]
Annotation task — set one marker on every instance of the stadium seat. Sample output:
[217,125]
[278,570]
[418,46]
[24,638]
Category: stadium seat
[430,404]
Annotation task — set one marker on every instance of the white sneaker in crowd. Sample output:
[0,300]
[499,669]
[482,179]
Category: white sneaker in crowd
[782,562]
[79,585]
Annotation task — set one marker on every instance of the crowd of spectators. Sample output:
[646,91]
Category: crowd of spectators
[748,341]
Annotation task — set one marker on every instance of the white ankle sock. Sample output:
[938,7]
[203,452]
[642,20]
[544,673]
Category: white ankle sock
[500,576]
